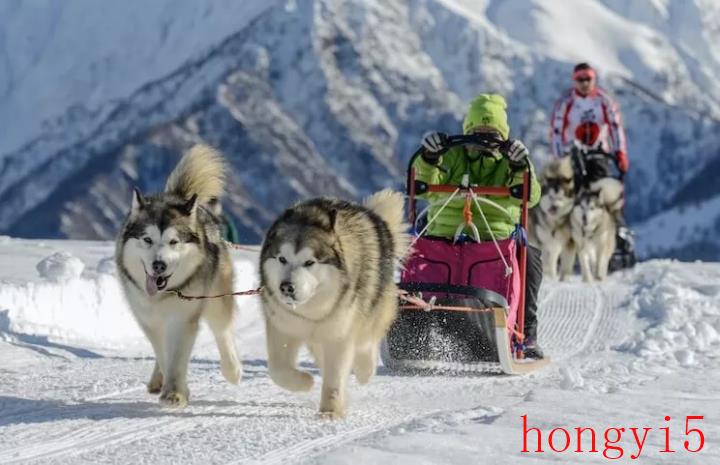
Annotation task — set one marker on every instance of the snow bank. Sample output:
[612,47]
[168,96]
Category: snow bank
[76,301]
[680,304]
[674,308]
[79,310]
[60,266]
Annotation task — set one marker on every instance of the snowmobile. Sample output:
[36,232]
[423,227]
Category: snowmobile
[462,305]
[590,163]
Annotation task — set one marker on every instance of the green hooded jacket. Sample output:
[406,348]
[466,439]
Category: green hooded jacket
[484,171]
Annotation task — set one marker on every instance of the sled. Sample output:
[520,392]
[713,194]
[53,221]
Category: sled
[463,302]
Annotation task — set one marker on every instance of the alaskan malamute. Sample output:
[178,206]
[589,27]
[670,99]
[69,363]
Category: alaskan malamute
[171,241]
[327,268]
[550,220]
[594,227]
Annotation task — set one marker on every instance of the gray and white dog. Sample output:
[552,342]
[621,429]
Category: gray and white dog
[550,221]
[327,268]
[171,241]
[594,228]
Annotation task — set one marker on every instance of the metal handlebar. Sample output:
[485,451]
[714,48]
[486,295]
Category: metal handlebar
[488,141]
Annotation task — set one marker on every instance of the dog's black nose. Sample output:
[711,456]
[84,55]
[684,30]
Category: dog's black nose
[159,267]
[287,288]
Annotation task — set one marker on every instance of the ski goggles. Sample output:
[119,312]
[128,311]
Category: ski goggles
[487,138]
[584,75]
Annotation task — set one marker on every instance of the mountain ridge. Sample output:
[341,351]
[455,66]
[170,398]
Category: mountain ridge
[330,98]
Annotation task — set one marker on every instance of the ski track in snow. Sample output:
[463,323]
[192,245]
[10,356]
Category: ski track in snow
[567,324]
[259,423]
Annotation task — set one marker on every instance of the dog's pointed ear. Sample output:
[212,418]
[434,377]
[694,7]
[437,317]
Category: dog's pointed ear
[332,216]
[138,201]
[189,207]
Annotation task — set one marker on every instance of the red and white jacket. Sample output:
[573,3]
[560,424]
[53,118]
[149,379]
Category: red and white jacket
[597,107]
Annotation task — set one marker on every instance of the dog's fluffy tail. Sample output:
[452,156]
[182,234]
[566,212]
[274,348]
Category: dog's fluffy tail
[201,171]
[388,205]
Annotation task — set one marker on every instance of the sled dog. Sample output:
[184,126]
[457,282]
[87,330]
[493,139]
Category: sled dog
[327,269]
[594,226]
[550,220]
[171,241]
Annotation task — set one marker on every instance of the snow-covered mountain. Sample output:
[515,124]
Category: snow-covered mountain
[316,97]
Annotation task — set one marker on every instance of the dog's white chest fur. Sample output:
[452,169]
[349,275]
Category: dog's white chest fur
[152,311]
[308,325]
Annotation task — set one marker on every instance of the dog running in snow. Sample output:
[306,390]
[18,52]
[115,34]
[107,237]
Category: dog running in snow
[594,228]
[171,241]
[327,269]
[550,228]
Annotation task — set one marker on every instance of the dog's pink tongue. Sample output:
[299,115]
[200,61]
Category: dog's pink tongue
[151,285]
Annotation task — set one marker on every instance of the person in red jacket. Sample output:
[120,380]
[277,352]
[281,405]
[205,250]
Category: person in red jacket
[588,120]
[588,105]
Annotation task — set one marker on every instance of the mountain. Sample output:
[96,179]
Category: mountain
[329,97]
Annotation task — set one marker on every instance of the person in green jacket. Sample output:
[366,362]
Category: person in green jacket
[502,164]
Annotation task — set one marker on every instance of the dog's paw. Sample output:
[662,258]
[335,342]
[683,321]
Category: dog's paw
[154,386]
[231,371]
[173,399]
[331,415]
[303,382]
[293,380]
[332,406]
[363,377]
[364,367]
[299,381]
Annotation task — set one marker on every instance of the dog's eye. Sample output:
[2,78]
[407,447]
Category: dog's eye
[309,263]
[282,260]
[147,240]
[174,242]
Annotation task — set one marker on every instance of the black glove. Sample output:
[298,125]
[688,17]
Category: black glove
[435,144]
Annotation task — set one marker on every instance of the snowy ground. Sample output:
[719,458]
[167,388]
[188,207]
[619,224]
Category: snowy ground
[626,354]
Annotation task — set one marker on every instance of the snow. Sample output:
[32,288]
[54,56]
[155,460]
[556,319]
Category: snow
[116,49]
[67,301]
[75,298]
[60,266]
[682,308]
[341,90]
[615,44]
[626,353]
